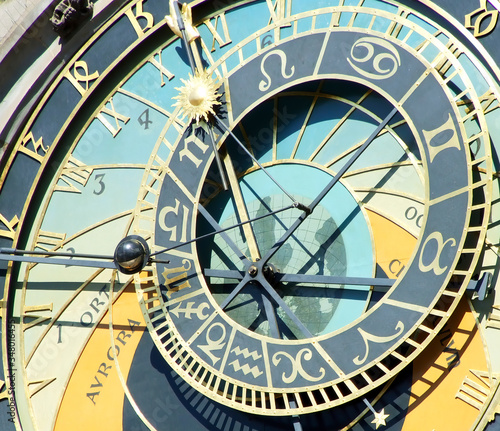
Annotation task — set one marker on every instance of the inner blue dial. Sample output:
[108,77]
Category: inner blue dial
[334,240]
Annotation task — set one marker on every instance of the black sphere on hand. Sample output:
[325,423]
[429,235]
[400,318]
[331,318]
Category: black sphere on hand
[131,254]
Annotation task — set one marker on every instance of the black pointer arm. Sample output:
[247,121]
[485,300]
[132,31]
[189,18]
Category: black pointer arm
[131,256]
[380,284]
[274,296]
[218,230]
[330,185]
[283,305]
[189,53]
[62,258]
[249,154]
[182,28]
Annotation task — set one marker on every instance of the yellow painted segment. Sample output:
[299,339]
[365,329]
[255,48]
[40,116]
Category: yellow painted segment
[434,404]
[439,373]
[394,245]
[94,397]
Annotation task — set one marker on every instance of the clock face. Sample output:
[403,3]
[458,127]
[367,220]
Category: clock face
[315,184]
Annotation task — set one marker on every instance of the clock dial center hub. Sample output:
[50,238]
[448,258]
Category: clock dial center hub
[253,271]
[269,271]
[334,240]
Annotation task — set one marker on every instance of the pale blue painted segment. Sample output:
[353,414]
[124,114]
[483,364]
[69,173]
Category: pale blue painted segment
[70,213]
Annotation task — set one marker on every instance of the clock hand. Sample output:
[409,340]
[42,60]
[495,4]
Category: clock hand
[188,34]
[271,317]
[298,205]
[17,255]
[257,274]
[176,23]
[329,186]
[380,284]
[220,230]
[281,303]
[131,256]
[217,157]
[246,279]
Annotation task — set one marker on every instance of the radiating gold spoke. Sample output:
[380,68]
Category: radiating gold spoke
[241,209]
[306,120]
[95,226]
[341,122]
[381,167]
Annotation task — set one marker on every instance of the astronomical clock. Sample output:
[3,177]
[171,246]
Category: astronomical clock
[257,215]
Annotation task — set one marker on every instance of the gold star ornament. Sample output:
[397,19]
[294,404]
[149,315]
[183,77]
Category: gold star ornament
[380,418]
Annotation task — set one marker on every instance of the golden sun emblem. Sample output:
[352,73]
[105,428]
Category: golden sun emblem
[198,96]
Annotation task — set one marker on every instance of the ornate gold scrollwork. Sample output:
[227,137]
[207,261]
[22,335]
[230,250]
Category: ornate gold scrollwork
[297,366]
[389,55]
[441,243]
[376,339]
[477,19]
[265,84]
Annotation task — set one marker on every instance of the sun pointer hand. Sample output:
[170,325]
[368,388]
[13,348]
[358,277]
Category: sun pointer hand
[181,22]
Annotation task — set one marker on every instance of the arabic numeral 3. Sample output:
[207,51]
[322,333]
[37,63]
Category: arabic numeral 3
[100,183]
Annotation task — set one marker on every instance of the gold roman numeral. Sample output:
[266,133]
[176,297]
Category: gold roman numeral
[106,112]
[223,39]
[11,226]
[395,28]
[442,63]
[74,172]
[162,69]
[50,241]
[493,320]
[39,385]
[134,19]
[487,101]
[4,394]
[475,391]
[37,146]
[32,318]
[279,10]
